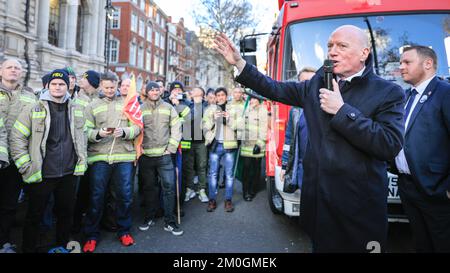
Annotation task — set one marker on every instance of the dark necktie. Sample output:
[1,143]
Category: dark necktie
[412,96]
[342,84]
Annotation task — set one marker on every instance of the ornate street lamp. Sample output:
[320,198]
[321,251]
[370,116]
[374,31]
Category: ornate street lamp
[109,17]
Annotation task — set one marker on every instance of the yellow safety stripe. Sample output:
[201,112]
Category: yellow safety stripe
[146,112]
[119,107]
[185,144]
[80,168]
[37,115]
[173,142]
[114,157]
[22,160]
[185,112]
[79,113]
[27,99]
[174,121]
[164,111]
[22,128]
[131,136]
[81,102]
[99,109]
[1,122]
[230,144]
[154,151]
[34,178]
[89,124]
[3,150]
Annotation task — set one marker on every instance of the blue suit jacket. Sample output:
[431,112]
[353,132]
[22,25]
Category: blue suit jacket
[427,140]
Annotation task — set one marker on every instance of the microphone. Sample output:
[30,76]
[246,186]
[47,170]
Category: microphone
[328,74]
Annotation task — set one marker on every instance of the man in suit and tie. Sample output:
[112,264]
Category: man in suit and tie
[424,162]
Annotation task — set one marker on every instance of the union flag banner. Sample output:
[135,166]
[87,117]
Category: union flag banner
[132,110]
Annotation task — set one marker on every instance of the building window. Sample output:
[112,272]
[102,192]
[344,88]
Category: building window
[157,38]
[141,57]
[148,58]
[134,22]
[141,28]
[161,65]
[133,54]
[116,19]
[162,42]
[163,22]
[187,80]
[149,33]
[80,26]
[158,18]
[156,63]
[53,24]
[142,4]
[114,51]
[135,1]
[188,64]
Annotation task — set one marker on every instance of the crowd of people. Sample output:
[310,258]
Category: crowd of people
[74,153]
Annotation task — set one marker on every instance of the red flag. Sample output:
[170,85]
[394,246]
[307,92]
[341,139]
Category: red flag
[132,110]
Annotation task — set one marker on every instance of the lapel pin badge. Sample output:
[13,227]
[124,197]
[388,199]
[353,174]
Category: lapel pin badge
[423,98]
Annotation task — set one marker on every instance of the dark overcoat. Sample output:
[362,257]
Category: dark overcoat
[345,185]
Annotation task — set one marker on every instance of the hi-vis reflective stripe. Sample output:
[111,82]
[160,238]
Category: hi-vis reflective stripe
[89,124]
[173,142]
[154,151]
[261,142]
[230,144]
[81,102]
[114,157]
[80,168]
[248,152]
[174,121]
[37,115]
[34,178]
[1,123]
[22,160]
[79,113]
[2,97]
[164,111]
[119,107]
[185,112]
[131,136]
[27,99]
[22,128]
[146,113]
[99,109]
[3,150]
[185,144]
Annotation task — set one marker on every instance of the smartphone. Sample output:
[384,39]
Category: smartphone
[110,130]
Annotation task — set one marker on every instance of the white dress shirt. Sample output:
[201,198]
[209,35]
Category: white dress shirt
[400,160]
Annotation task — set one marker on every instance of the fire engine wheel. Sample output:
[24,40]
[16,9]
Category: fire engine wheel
[275,200]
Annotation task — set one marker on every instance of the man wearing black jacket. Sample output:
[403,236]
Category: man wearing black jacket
[352,130]
[194,149]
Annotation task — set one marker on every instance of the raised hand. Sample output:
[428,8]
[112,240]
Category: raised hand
[225,47]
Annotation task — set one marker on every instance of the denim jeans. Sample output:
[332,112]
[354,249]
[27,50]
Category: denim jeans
[100,174]
[214,163]
[149,170]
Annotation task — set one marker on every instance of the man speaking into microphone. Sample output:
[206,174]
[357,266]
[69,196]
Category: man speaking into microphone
[353,130]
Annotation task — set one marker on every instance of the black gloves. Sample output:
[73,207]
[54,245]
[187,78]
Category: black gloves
[256,149]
